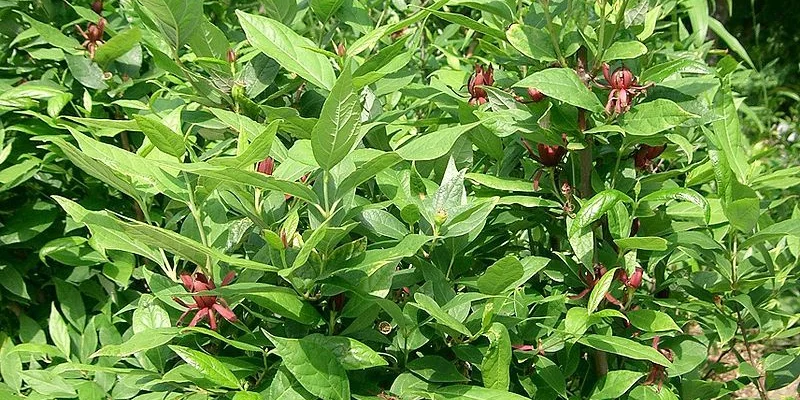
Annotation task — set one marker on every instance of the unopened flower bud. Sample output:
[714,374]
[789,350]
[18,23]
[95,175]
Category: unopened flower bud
[267,166]
[535,95]
[341,50]
[231,56]
[635,279]
[440,217]
[97,7]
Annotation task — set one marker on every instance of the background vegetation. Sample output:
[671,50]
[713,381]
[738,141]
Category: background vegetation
[399,199]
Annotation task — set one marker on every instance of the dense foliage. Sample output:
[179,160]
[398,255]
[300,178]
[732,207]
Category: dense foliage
[407,199]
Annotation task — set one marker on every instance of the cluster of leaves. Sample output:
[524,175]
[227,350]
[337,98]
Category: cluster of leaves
[367,205]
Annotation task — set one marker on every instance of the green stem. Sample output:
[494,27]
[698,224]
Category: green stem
[616,167]
[198,220]
[551,28]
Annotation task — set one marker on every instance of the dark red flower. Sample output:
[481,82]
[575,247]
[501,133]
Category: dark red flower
[93,35]
[633,281]
[267,166]
[624,88]
[591,279]
[550,156]
[535,95]
[337,302]
[480,78]
[207,306]
[645,154]
[97,7]
[635,227]
[658,373]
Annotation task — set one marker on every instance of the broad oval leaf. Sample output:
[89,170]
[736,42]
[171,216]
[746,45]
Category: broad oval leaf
[336,132]
[647,119]
[208,366]
[352,354]
[683,194]
[433,144]
[615,384]
[600,289]
[164,138]
[289,49]
[596,207]
[176,19]
[623,50]
[497,360]
[564,85]
[624,347]
[532,42]
[315,367]
[652,321]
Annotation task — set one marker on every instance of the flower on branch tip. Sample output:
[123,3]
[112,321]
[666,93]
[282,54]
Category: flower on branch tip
[207,306]
[645,154]
[93,35]
[481,77]
[624,88]
[267,166]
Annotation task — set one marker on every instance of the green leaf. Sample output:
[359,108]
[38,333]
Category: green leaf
[659,72]
[600,289]
[209,41]
[615,384]
[59,331]
[144,340]
[465,392]
[164,138]
[429,305]
[434,144]
[698,16]
[389,60]
[435,369]
[285,302]
[745,301]
[552,375]
[624,50]
[779,230]
[652,321]
[336,131]
[497,360]
[352,354]
[682,194]
[48,383]
[564,85]
[468,23]
[383,223]
[532,42]
[624,347]
[52,35]
[647,119]
[727,134]
[642,243]
[367,171]
[176,19]
[730,40]
[117,46]
[85,71]
[725,328]
[289,49]
[11,363]
[324,9]
[500,276]
[505,184]
[208,366]
[596,207]
[315,367]
[97,169]
[71,303]
[13,281]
